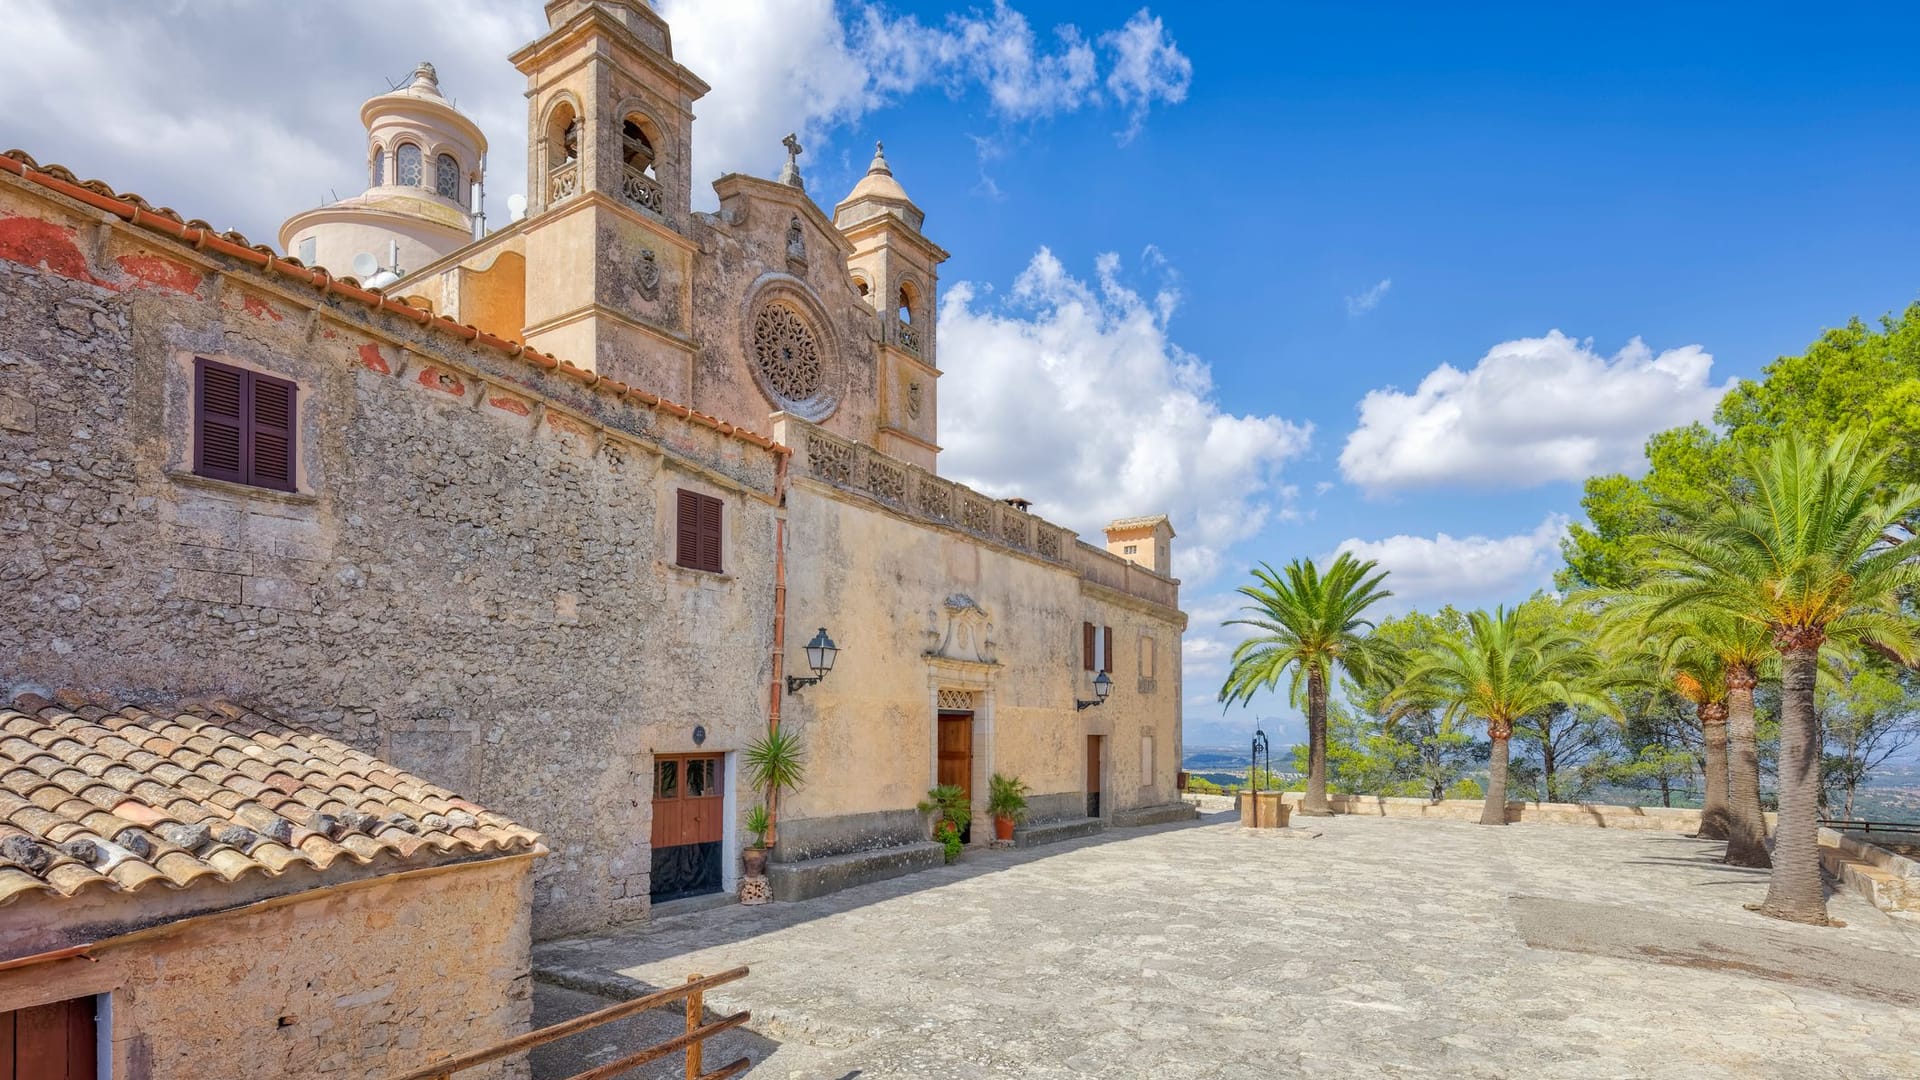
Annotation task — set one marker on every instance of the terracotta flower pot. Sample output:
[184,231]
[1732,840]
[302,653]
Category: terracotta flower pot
[755,860]
[1003,828]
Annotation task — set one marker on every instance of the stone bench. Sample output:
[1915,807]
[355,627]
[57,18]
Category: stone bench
[809,878]
[1052,832]
[1154,815]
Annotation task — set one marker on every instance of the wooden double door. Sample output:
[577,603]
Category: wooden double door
[954,762]
[689,823]
[49,1042]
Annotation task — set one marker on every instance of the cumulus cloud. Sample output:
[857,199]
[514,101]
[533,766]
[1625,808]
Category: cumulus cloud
[1369,299]
[1530,412]
[1073,393]
[1466,571]
[245,151]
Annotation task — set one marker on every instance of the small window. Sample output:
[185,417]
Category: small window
[697,543]
[1130,549]
[243,426]
[446,178]
[308,248]
[906,304]
[702,778]
[666,779]
[407,167]
[379,166]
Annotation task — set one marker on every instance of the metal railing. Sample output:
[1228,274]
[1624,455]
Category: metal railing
[1850,825]
[693,992]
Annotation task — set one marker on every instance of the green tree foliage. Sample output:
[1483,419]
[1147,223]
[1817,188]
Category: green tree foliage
[1868,715]
[1306,625]
[1815,550]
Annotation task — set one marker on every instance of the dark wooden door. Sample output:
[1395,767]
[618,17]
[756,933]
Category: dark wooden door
[956,758]
[49,1042]
[1093,775]
[689,812]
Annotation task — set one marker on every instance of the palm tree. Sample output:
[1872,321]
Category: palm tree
[1817,551]
[1309,624]
[1743,652]
[1504,667]
[1700,678]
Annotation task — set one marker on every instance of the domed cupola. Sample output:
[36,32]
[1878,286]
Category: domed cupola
[424,161]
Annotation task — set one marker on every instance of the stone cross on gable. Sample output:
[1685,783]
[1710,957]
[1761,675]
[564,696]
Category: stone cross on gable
[790,172]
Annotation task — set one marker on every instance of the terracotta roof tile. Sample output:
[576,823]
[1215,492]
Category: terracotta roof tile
[131,799]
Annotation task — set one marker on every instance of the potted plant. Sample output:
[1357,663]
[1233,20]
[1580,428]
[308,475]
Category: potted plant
[948,804]
[755,854]
[1007,802]
[774,764]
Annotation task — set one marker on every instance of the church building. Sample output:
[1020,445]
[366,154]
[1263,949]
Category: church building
[563,515]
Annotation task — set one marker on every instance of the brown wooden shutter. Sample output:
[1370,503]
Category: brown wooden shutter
[1106,649]
[1086,645]
[710,534]
[219,421]
[687,531]
[270,432]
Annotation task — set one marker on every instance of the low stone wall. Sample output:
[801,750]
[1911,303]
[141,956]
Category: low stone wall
[1888,879]
[1596,815]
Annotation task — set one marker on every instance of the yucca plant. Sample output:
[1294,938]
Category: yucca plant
[775,764]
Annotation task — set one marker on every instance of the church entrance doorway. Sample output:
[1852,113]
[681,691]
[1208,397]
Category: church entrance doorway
[688,817]
[956,758]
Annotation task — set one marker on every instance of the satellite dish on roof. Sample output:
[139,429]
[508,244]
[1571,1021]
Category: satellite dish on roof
[365,265]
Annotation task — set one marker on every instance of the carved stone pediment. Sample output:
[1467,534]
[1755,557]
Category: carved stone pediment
[969,632]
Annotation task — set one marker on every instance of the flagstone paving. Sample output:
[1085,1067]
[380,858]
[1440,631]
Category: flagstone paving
[1380,948]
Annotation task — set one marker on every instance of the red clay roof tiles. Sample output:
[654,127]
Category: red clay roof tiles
[91,799]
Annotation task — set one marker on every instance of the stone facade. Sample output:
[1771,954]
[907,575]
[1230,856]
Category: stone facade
[366,979]
[475,576]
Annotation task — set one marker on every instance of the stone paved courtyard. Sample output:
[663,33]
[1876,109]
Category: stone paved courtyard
[1378,949]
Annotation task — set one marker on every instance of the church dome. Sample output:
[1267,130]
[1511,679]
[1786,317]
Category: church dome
[876,194]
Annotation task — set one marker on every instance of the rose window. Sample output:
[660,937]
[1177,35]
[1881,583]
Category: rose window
[785,351]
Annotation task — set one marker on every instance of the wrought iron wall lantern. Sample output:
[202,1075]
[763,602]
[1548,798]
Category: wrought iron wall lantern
[1102,686]
[820,653]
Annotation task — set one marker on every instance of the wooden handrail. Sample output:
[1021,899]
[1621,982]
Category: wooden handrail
[693,990]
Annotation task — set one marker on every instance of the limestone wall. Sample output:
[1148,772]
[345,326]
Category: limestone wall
[366,980]
[474,580]
[890,580]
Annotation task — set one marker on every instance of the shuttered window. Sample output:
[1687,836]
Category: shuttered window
[243,426]
[1106,649]
[1086,646]
[697,532]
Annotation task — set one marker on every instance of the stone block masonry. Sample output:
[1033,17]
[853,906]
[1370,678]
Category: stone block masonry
[474,578]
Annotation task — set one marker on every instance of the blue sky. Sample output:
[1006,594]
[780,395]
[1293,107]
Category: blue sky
[1189,241]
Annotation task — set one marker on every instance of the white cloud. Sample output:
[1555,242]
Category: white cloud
[1073,394]
[207,134]
[1530,412]
[811,66]
[1369,299]
[1467,571]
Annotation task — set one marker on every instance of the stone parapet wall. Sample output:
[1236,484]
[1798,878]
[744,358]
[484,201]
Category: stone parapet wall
[1597,815]
[916,493]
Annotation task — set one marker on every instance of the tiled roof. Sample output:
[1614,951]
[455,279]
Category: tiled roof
[1139,522]
[136,799]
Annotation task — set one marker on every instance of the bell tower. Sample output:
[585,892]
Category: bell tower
[609,191]
[897,269]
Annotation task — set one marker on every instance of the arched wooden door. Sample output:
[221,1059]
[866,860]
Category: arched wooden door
[956,758]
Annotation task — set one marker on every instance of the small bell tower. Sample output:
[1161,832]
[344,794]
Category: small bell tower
[609,191]
[897,269]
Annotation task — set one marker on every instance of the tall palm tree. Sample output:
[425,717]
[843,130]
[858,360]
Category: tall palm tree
[1504,667]
[1308,624]
[1743,652]
[1818,551]
[1700,678]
